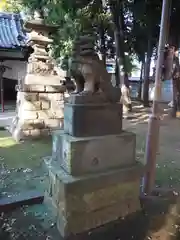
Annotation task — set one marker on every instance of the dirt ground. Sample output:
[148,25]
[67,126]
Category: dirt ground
[37,222]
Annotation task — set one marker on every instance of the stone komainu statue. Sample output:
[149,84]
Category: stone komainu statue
[89,72]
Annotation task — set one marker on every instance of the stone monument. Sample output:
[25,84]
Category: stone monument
[40,97]
[94,178]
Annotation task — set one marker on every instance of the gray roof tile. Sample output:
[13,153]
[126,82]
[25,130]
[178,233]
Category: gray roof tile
[11,31]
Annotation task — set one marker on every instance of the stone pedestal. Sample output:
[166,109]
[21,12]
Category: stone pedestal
[38,112]
[88,201]
[78,156]
[95,179]
[92,119]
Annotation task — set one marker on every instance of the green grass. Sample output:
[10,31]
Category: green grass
[27,154]
[167,166]
[21,164]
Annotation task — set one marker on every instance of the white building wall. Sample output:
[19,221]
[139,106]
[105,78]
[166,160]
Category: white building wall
[17,71]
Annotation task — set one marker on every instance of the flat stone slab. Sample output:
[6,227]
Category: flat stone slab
[94,154]
[95,181]
[94,98]
[42,80]
[85,120]
[26,198]
[89,201]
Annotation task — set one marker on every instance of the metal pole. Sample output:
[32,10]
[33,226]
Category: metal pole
[154,120]
[1,87]
[2,94]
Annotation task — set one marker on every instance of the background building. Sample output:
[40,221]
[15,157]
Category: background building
[13,52]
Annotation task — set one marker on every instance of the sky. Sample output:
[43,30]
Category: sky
[2,4]
[138,72]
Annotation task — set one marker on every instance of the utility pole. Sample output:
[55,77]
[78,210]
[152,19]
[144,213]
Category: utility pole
[152,142]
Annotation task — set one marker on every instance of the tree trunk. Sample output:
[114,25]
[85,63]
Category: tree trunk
[141,80]
[117,72]
[126,88]
[117,14]
[175,81]
[146,75]
[103,44]
[174,74]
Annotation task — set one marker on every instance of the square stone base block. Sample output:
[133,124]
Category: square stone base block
[93,154]
[85,120]
[86,202]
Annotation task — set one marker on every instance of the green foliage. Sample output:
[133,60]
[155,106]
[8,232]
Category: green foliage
[130,65]
[146,20]
[13,6]
[141,22]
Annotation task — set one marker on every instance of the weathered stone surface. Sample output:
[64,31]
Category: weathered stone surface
[53,123]
[37,111]
[51,97]
[34,88]
[27,96]
[95,98]
[94,154]
[43,97]
[41,86]
[86,65]
[49,114]
[57,144]
[33,124]
[82,222]
[35,133]
[27,115]
[34,79]
[92,119]
[31,106]
[25,133]
[45,105]
[92,182]
[45,132]
[56,105]
[43,114]
[56,96]
[85,202]
[55,89]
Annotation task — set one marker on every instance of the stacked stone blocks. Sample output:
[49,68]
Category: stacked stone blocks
[92,180]
[40,112]
[86,202]
[40,98]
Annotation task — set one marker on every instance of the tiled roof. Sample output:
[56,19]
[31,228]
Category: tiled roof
[11,31]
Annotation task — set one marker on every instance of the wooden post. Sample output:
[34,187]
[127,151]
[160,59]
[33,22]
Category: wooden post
[152,141]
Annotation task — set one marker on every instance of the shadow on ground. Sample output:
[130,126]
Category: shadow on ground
[157,221]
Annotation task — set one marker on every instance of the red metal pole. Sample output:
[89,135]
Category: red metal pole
[152,141]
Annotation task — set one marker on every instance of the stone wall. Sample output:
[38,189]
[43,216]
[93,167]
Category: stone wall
[39,110]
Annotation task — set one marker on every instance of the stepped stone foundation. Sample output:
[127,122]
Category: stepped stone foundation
[92,180]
